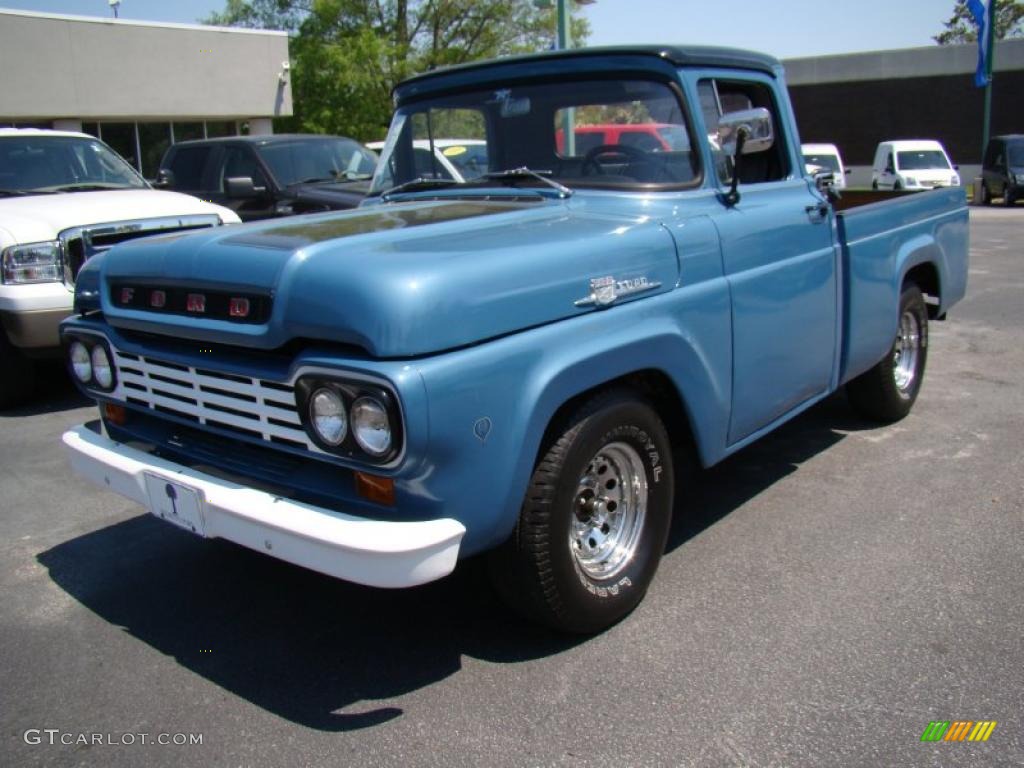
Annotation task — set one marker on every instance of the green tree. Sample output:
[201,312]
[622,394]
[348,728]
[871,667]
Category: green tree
[347,55]
[961,29]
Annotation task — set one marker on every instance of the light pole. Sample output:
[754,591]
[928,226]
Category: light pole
[563,41]
[563,31]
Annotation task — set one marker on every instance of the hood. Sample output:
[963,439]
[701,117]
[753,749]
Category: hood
[36,218]
[396,280]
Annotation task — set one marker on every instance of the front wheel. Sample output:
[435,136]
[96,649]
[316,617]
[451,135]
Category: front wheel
[595,519]
[986,194]
[887,391]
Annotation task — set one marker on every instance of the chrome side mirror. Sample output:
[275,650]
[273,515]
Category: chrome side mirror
[754,124]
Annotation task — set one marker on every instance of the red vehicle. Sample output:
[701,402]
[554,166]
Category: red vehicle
[648,137]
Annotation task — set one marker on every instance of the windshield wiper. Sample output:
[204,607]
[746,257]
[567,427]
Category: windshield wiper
[341,177]
[420,182]
[514,174]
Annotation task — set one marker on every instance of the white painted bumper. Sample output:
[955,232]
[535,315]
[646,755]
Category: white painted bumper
[380,554]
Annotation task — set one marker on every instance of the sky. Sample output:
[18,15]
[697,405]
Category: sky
[783,28]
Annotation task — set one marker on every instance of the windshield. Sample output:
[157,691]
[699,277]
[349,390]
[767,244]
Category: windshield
[1015,154]
[922,160]
[469,159]
[39,164]
[829,162]
[317,160]
[504,128]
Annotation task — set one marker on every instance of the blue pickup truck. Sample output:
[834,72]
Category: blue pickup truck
[526,364]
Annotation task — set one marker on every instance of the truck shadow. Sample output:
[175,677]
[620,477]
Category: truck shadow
[735,481]
[322,653]
[52,392]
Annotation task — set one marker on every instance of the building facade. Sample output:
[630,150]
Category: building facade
[858,100]
[140,86]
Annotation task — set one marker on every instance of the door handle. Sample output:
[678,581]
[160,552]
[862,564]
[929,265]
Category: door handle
[818,212]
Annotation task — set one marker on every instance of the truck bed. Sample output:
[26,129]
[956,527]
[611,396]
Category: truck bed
[882,236]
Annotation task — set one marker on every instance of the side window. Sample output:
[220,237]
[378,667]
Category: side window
[187,165]
[240,162]
[719,97]
[638,113]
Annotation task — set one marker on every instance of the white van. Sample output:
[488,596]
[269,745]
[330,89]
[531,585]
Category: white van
[825,157]
[913,165]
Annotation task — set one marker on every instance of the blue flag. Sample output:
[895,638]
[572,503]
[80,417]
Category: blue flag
[981,13]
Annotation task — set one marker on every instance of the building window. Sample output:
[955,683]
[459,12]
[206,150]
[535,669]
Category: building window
[93,129]
[154,139]
[215,128]
[121,138]
[188,131]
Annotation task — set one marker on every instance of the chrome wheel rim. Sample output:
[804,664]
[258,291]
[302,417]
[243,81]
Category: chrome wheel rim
[608,511]
[905,353]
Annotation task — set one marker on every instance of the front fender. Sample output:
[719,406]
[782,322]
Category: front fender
[490,405]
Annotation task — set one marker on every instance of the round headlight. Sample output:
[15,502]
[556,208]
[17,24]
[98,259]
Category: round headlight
[101,370]
[371,427]
[80,362]
[327,415]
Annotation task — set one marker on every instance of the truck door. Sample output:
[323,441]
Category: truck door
[780,263]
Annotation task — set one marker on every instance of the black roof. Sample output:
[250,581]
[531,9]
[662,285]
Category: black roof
[273,138]
[679,55]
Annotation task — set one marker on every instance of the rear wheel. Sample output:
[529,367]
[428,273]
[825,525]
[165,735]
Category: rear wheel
[17,374]
[595,519]
[1008,197]
[986,194]
[887,391]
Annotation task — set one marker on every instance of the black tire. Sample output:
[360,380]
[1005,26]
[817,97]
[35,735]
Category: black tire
[887,391]
[897,187]
[549,576]
[1008,198]
[874,185]
[986,195]
[17,375]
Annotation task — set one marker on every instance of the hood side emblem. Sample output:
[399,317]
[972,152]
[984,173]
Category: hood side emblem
[605,291]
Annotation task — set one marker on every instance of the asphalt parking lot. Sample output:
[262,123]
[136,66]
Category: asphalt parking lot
[830,591]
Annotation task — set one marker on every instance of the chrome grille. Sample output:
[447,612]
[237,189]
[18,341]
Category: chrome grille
[80,243]
[249,406]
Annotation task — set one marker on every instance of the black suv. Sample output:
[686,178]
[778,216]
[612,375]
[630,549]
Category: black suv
[1002,173]
[260,177]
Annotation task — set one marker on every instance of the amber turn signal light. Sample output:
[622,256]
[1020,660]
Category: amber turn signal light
[380,490]
[115,414]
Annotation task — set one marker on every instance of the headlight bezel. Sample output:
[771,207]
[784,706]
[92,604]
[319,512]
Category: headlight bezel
[351,389]
[90,342]
[56,263]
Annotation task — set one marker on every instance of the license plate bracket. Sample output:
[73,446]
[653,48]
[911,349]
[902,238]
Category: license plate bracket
[178,504]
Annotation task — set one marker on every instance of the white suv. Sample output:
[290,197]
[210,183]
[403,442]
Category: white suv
[65,197]
[914,165]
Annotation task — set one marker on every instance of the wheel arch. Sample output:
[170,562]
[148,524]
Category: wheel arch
[925,275]
[655,386]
